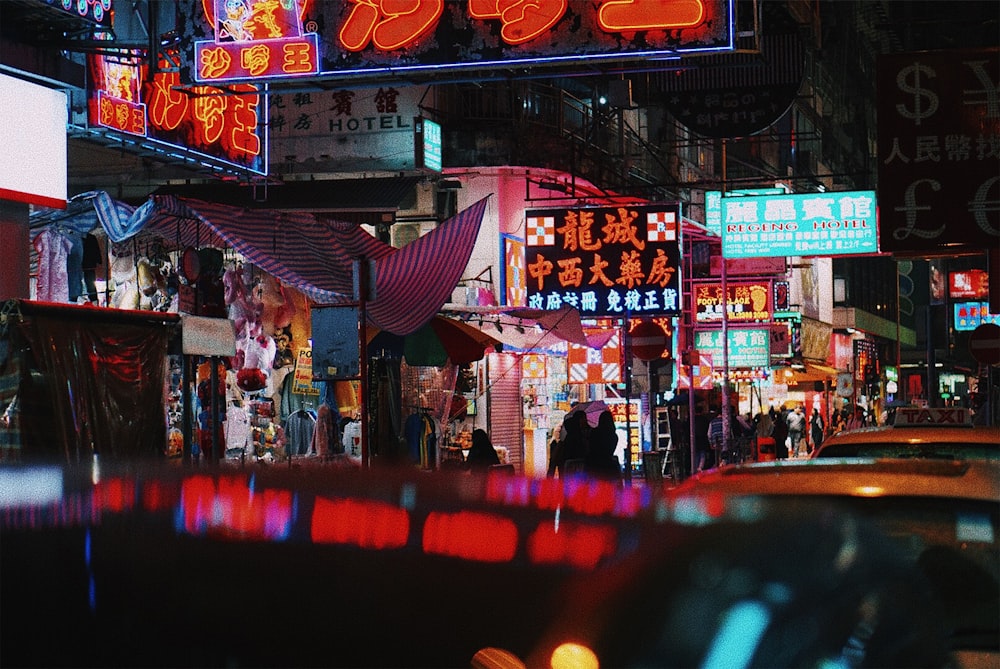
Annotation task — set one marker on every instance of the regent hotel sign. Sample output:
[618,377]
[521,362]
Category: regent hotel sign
[810,224]
[604,261]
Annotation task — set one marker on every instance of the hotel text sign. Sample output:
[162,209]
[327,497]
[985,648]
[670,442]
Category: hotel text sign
[810,224]
[605,261]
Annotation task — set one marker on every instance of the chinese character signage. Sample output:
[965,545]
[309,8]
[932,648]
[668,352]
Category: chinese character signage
[938,155]
[513,279]
[713,203]
[969,284]
[970,315]
[281,38]
[204,122]
[255,39]
[427,144]
[748,301]
[748,347]
[604,261]
[810,224]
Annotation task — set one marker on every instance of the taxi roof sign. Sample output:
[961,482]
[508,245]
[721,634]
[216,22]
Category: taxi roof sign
[932,417]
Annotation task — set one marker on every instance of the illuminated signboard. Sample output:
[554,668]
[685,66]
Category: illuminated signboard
[255,39]
[227,127]
[748,347]
[427,144]
[605,261]
[365,37]
[95,11]
[713,203]
[970,315]
[811,224]
[970,284]
[748,301]
[513,273]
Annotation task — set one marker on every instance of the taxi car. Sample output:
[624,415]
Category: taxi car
[917,432]
[940,522]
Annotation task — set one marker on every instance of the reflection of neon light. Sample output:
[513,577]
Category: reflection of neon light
[629,15]
[358,522]
[576,544]
[482,537]
[232,509]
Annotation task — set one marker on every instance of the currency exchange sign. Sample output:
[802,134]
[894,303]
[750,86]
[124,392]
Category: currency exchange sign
[939,151]
[605,261]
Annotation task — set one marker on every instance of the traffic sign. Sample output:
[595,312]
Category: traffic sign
[984,343]
[649,341]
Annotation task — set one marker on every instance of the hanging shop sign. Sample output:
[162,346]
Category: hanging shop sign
[713,203]
[938,164]
[210,126]
[427,144]
[255,39]
[970,284]
[748,347]
[701,372]
[513,272]
[805,224]
[604,261]
[970,315]
[595,366]
[747,301]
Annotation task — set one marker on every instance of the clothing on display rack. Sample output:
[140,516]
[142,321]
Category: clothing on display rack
[299,428]
[421,438]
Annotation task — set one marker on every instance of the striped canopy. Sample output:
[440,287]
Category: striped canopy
[315,255]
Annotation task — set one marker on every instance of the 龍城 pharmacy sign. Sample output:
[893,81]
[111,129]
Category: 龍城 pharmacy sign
[605,261]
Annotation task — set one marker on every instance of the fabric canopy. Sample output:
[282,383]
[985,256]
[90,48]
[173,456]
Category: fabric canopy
[565,323]
[313,255]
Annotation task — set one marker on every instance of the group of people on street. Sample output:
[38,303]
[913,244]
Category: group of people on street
[580,448]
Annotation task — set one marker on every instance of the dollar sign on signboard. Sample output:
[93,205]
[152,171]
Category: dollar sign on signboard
[921,110]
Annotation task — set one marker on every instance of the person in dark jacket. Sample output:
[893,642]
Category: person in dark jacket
[481,455]
[780,434]
[600,460]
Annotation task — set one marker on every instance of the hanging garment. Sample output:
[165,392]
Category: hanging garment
[53,249]
[299,428]
[325,438]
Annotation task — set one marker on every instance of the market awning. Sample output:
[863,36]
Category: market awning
[359,201]
[807,372]
[315,255]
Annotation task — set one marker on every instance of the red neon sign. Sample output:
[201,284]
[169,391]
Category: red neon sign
[255,39]
[202,119]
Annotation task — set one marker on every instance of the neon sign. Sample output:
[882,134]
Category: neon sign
[95,11]
[748,347]
[747,301]
[809,224]
[255,39]
[224,128]
[370,37]
[605,261]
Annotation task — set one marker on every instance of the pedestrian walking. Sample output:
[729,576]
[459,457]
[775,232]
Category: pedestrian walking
[796,427]
[816,428]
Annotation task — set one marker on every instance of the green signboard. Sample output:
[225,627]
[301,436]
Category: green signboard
[748,347]
[810,224]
